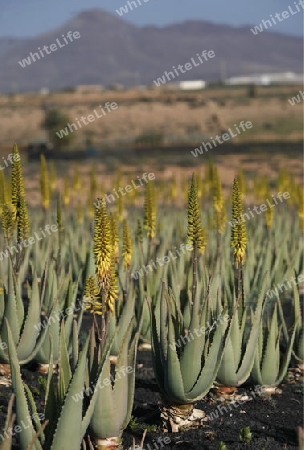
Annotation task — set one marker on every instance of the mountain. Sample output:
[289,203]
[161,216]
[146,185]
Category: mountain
[111,50]
[7,43]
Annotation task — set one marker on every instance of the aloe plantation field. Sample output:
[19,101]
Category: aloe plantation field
[150,309]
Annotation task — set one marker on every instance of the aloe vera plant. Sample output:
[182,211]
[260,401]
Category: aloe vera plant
[33,325]
[299,347]
[25,325]
[113,399]
[240,350]
[61,408]
[62,308]
[182,378]
[269,368]
[297,317]
[120,321]
[41,285]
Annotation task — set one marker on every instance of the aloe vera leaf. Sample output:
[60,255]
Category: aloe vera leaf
[22,407]
[71,411]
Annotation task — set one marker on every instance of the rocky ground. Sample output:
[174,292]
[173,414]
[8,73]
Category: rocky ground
[273,420]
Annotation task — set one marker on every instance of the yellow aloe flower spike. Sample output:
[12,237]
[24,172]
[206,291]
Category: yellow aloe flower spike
[126,245]
[196,232]
[238,232]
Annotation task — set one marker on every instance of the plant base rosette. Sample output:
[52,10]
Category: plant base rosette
[144,346]
[5,375]
[301,366]
[44,368]
[180,417]
[270,390]
[5,370]
[113,443]
[224,391]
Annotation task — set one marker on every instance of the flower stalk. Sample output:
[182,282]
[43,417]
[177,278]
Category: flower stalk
[196,232]
[238,239]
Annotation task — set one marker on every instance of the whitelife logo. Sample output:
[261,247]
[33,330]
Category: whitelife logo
[285,15]
[161,261]
[275,290]
[56,317]
[108,198]
[101,383]
[33,57]
[298,99]
[90,118]
[30,241]
[12,431]
[201,58]
[203,330]
[261,208]
[235,403]
[129,7]
[225,137]
[10,158]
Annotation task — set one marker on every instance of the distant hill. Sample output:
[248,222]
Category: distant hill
[112,50]
[7,43]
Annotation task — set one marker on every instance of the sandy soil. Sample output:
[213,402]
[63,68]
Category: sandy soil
[174,115]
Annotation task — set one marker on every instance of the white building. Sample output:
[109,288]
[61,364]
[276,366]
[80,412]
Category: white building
[192,85]
[44,91]
[266,79]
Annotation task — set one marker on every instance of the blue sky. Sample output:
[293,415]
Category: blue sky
[31,17]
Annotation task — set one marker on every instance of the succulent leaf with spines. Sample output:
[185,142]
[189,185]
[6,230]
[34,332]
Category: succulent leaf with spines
[267,369]
[181,378]
[238,358]
[61,408]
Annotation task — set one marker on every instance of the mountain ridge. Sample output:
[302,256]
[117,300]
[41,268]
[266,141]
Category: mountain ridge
[121,52]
